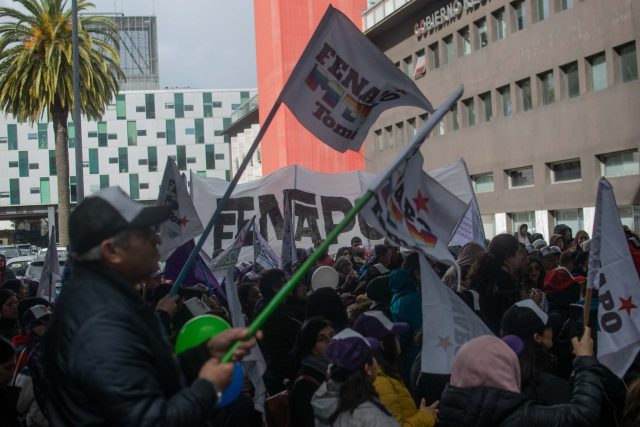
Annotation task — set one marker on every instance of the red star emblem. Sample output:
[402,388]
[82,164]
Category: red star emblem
[183,221]
[627,305]
[444,343]
[421,202]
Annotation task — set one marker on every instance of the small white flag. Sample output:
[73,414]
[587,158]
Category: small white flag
[613,274]
[342,82]
[184,223]
[50,270]
[447,322]
[263,254]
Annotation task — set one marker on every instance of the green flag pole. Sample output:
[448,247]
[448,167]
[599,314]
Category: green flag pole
[299,274]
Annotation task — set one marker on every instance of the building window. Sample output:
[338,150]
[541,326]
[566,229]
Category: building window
[401,137]
[113,160]
[520,11]
[455,125]
[482,183]
[168,106]
[598,66]
[34,166]
[216,104]
[573,218]
[134,186]
[421,64]
[520,177]
[519,218]
[407,66]
[14,192]
[144,185]
[71,135]
[92,134]
[570,80]
[178,102]
[500,24]
[142,132]
[547,87]
[102,134]
[565,171]
[524,91]
[504,94]
[23,163]
[481,29]
[171,131]
[188,107]
[621,163]
[439,129]
[469,111]
[487,110]
[150,105]
[112,136]
[104,181]
[121,107]
[219,156]
[161,135]
[542,9]
[449,49]
[45,191]
[13,164]
[132,133]
[627,63]
[199,128]
[123,160]
[379,141]
[207,106]
[190,131]
[12,137]
[565,4]
[140,109]
[465,41]
[630,216]
[52,163]
[388,133]
[434,56]
[411,128]
[143,162]
[42,136]
[181,157]
[209,155]
[94,161]
[73,190]
[152,155]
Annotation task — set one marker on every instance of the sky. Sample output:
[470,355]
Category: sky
[201,43]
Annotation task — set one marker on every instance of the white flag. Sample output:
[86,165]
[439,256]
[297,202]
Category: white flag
[184,223]
[253,363]
[447,322]
[415,211]
[289,255]
[263,253]
[342,82]
[613,274]
[455,178]
[50,270]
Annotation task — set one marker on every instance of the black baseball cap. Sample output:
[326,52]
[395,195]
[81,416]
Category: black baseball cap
[524,319]
[105,214]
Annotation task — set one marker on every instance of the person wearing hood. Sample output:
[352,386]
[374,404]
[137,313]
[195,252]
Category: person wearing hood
[467,256]
[379,292]
[348,398]
[526,320]
[485,389]
[523,235]
[9,326]
[326,302]
[310,356]
[389,385]
[5,273]
[566,232]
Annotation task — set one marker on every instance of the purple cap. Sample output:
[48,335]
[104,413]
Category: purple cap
[350,350]
[377,325]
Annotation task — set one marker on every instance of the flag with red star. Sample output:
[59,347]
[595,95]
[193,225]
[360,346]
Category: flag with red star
[613,274]
[447,322]
[184,223]
[414,211]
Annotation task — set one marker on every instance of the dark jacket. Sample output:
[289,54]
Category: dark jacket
[108,363]
[308,379]
[497,294]
[548,389]
[492,407]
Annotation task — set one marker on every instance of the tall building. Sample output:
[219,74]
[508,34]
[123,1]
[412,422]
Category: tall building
[128,147]
[242,132]
[283,29]
[550,104]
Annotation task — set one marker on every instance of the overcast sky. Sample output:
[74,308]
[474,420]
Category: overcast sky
[201,43]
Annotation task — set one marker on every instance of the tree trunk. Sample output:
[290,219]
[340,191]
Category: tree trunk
[60,116]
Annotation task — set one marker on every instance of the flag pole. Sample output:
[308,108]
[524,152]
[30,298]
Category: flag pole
[221,203]
[261,319]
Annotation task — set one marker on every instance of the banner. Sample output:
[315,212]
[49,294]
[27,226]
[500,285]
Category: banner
[289,255]
[613,274]
[447,322]
[263,254]
[342,82]
[319,201]
[183,224]
[50,270]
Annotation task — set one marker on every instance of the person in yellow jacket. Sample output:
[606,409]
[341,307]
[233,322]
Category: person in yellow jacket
[388,384]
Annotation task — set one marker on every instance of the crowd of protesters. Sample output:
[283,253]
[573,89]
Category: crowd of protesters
[342,352]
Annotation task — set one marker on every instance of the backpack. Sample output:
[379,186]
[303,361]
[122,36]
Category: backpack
[276,407]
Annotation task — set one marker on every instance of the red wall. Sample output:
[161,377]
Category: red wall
[283,28]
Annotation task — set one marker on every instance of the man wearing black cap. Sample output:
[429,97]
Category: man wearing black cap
[107,360]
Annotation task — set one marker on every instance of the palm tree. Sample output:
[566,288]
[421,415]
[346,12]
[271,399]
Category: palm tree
[36,73]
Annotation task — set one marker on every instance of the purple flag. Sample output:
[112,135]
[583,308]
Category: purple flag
[199,272]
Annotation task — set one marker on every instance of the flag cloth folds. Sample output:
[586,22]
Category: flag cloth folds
[342,82]
[184,223]
[613,274]
[415,211]
[253,363]
[199,272]
[50,270]
[447,322]
[263,253]
[289,255]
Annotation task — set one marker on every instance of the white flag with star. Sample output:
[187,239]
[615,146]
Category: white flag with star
[613,274]
[184,223]
[447,322]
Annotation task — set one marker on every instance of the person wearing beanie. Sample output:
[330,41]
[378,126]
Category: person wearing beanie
[526,320]
[9,326]
[389,385]
[485,389]
[348,398]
